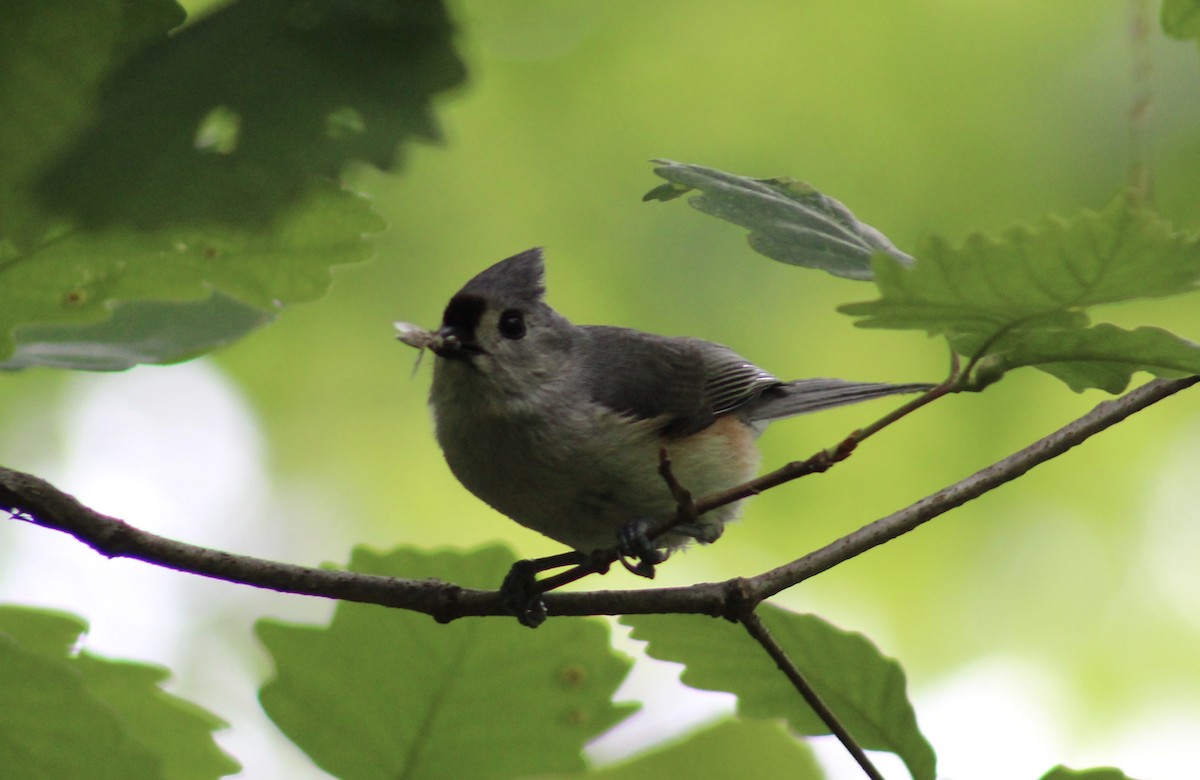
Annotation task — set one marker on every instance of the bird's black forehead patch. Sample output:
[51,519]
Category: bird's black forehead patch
[464,312]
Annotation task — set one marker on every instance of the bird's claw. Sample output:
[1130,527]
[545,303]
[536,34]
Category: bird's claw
[633,542]
[522,594]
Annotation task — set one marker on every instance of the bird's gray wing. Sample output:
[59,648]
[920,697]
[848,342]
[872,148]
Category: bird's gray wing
[684,382]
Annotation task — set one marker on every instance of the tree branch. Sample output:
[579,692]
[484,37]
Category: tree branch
[33,499]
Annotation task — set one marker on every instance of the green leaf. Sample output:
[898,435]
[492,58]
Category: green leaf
[138,332]
[1122,253]
[1063,773]
[385,693]
[866,690]
[1181,18]
[43,631]
[174,729]
[53,59]
[720,752]
[67,714]
[1102,356]
[44,707]
[1021,299]
[789,221]
[233,118]
[199,163]
[116,298]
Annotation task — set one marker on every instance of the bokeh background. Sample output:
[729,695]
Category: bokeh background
[1057,619]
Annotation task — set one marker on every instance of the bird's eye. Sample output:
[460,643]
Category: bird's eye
[512,324]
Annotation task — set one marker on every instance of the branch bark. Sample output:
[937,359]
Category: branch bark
[33,499]
[761,634]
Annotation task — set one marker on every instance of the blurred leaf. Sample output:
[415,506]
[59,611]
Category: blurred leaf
[42,631]
[1019,300]
[1181,18]
[172,293]
[1063,773]
[53,57]
[67,715]
[44,707]
[385,693]
[232,119]
[866,690]
[201,156]
[177,731]
[728,749]
[789,221]
[138,332]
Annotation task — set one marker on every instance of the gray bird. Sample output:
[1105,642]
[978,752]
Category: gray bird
[560,426]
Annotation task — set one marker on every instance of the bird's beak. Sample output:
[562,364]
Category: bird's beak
[453,343]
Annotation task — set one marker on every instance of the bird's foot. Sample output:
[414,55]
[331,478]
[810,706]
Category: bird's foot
[522,591]
[633,542]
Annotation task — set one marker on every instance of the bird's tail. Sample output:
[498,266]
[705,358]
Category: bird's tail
[811,395]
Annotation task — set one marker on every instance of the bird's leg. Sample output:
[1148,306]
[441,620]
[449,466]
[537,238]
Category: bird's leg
[633,541]
[522,590]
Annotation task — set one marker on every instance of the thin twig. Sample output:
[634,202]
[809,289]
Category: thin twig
[929,396]
[822,461]
[682,496]
[1141,21]
[1103,416]
[757,629]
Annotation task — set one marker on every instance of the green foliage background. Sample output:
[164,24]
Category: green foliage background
[926,118]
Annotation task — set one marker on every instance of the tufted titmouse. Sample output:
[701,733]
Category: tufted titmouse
[561,426]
